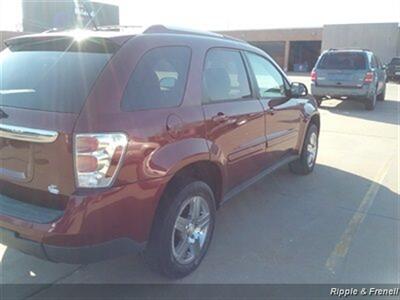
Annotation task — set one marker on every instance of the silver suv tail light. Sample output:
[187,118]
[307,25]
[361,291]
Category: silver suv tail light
[98,158]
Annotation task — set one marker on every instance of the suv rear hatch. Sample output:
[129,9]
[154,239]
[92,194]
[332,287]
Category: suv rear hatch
[44,82]
[342,69]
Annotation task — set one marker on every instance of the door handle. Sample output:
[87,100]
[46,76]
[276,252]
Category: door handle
[219,118]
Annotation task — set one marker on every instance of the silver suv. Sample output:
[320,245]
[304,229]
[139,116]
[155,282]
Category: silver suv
[349,74]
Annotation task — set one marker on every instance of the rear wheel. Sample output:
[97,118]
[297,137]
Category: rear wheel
[306,162]
[382,95]
[183,229]
[371,102]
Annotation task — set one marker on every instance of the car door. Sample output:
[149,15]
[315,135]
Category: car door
[234,116]
[282,113]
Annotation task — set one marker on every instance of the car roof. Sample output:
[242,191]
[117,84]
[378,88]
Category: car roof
[118,37]
[120,34]
[334,50]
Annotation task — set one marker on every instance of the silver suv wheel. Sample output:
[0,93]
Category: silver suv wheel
[190,230]
[312,149]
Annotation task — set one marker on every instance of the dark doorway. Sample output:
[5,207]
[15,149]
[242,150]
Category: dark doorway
[303,55]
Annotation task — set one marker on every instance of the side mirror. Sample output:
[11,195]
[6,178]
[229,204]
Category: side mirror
[298,89]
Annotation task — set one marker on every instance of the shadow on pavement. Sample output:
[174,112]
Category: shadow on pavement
[385,111]
[280,230]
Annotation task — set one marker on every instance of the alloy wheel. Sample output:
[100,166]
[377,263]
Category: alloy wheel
[190,230]
[312,149]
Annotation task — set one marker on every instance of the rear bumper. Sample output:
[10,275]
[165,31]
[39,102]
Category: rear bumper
[71,255]
[95,225]
[337,92]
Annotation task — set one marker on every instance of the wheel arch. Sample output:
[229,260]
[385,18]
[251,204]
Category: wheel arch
[313,119]
[204,170]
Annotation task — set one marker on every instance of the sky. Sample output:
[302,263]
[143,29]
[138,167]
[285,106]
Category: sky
[230,14]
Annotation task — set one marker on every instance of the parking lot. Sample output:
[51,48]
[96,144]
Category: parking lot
[341,224]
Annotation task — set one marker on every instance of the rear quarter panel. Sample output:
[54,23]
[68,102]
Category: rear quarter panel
[153,151]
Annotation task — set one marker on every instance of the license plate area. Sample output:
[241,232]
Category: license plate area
[16,160]
[339,77]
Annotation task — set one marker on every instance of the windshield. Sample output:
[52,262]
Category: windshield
[54,80]
[343,61]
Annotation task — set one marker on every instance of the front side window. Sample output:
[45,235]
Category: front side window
[158,80]
[224,76]
[269,80]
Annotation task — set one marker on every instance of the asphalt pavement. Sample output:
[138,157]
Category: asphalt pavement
[340,224]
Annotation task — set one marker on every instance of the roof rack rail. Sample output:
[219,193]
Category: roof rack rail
[154,29]
[117,27]
[349,48]
[54,29]
[177,30]
[98,28]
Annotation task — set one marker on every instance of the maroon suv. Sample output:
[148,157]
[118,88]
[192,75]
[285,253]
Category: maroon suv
[112,143]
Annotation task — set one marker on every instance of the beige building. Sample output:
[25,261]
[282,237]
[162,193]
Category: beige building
[297,49]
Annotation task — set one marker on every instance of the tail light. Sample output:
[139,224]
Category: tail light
[313,76]
[98,158]
[369,77]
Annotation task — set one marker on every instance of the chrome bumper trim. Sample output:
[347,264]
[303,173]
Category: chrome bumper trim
[27,134]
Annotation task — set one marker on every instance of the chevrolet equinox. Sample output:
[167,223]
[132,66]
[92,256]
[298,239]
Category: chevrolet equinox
[113,142]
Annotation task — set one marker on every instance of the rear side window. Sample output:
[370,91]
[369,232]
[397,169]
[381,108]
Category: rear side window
[50,77]
[224,76]
[343,61]
[158,80]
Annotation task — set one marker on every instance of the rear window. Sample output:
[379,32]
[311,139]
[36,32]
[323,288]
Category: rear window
[343,61]
[51,76]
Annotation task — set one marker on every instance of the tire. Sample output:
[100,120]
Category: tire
[163,252]
[371,102]
[306,162]
[381,96]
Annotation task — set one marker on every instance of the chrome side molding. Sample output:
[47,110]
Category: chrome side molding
[27,134]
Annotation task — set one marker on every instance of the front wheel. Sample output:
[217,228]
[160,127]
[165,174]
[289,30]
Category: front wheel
[183,229]
[306,162]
